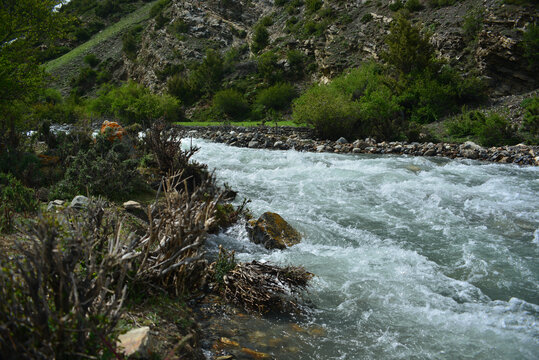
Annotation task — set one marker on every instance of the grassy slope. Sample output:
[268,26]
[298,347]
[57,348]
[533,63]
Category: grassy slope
[135,17]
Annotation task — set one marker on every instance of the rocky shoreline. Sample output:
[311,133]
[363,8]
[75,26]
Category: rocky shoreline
[302,139]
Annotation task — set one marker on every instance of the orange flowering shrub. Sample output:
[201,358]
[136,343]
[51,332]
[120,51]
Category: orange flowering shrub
[112,130]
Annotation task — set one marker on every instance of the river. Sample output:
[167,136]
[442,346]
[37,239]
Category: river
[415,258]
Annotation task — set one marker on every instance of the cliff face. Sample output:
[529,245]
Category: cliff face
[483,37]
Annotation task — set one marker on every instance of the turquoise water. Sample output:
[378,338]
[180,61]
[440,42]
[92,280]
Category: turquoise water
[415,258]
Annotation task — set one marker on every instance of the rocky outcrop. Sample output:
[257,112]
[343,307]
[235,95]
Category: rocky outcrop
[303,140]
[272,231]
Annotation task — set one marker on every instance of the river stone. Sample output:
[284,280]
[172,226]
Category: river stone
[79,202]
[136,342]
[55,204]
[253,144]
[342,140]
[136,209]
[272,231]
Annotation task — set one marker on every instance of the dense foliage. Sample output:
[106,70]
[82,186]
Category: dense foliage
[106,168]
[489,129]
[14,198]
[383,101]
[133,103]
[23,25]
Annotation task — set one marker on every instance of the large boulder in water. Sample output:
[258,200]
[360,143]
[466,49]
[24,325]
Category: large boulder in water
[272,231]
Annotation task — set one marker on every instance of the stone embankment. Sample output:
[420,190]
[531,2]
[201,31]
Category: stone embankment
[284,138]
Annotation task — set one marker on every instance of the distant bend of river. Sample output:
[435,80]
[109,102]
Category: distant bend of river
[415,258]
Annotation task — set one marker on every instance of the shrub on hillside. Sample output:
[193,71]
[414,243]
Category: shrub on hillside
[231,103]
[296,62]
[530,42]
[489,129]
[413,5]
[131,42]
[268,68]
[260,38]
[530,122]
[442,3]
[91,60]
[276,97]
[133,103]
[206,77]
[313,5]
[427,96]
[159,7]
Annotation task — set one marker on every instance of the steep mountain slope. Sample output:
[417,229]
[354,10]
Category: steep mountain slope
[312,40]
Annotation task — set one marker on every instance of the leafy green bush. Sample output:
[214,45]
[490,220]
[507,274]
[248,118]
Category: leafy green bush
[180,87]
[313,5]
[442,3]
[131,41]
[206,77]
[472,23]
[366,18]
[231,103]
[180,26]
[413,5]
[133,103]
[427,96]
[159,7]
[280,2]
[396,5]
[266,21]
[105,8]
[14,198]
[296,62]
[530,42]
[105,169]
[490,129]
[530,122]
[161,20]
[24,166]
[268,68]
[91,60]
[260,38]
[330,112]
[276,97]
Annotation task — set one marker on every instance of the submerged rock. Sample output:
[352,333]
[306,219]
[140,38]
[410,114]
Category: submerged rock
[272,231]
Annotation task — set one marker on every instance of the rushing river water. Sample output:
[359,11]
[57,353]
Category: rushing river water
[415,258]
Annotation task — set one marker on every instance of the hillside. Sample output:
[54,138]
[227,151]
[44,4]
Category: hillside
[164,44]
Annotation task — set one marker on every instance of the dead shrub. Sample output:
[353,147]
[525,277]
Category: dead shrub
[265,288]
[62,295]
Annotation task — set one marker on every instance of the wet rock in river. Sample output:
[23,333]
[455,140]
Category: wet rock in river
[272,231]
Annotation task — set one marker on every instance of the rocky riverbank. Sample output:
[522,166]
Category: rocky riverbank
[300,139]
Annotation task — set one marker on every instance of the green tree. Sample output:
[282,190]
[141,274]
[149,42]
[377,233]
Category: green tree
[408,49]
[24,25]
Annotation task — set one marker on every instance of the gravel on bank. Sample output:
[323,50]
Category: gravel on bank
[302,139]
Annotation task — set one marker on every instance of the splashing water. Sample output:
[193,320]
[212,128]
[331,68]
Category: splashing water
[415,258]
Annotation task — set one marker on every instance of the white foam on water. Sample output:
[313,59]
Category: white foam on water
[437,263]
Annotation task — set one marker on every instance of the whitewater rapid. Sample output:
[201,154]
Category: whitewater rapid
[415,258]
